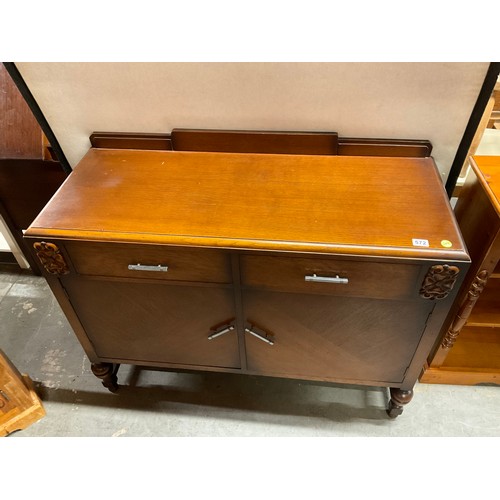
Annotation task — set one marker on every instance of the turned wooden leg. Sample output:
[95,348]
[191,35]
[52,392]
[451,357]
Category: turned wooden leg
[399,399]
[106,372]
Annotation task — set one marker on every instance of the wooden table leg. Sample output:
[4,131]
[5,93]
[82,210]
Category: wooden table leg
[399,399]
[107,373]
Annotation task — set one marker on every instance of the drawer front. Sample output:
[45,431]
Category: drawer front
[331,276]
[146,261]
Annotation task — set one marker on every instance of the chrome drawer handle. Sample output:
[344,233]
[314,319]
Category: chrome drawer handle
[259,336]
[224,330]
[142,267]
[326,279]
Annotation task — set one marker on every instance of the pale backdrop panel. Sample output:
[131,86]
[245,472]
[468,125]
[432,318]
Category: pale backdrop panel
[388,100]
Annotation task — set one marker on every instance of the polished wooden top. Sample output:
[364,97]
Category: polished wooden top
[323,204]
[487,169]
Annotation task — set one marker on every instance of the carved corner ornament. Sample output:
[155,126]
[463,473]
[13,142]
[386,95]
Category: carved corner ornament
[51,258]
[439,282]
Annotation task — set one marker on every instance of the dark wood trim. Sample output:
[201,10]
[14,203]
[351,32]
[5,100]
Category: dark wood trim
[26,185]
[130,140]
[107,372]
[477,112]
[255,141]
[349,146]
[315,143]
[439,281]
[37,112]
[238,307]
[20,134]
[399,398]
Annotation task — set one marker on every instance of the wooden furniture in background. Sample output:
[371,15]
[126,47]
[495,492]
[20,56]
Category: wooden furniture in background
[29,174]
[469,352]
[484,138]
[332,268]
[476,140]
[19,404]
[20,134]
[495,112]
[25,188]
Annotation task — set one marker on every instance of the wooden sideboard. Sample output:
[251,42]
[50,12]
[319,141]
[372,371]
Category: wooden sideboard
[469,352]
[333,268]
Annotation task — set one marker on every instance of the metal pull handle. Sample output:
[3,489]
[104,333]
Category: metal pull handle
[225,329]
[326,279]
[142,267]
[260,336]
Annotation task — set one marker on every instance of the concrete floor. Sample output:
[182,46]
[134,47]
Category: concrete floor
[39,341]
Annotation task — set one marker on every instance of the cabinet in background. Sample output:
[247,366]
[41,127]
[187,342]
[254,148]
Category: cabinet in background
[469,352]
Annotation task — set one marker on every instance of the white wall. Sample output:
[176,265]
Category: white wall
[390,100]
[4,246]
[8,244]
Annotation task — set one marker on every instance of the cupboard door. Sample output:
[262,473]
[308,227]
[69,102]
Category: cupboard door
[155,322]
[332,338]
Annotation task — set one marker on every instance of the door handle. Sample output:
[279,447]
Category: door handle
[327,279]
[260,336]
[225,329]
[142,267]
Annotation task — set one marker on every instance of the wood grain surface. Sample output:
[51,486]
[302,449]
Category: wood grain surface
[184,264]
[19,404]
[333,337]
[20,134]
[247,141]
[262,141]
[487,169]
[270,202]
[155,322]
[364,279]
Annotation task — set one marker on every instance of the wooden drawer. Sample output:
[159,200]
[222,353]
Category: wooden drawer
[184,264]
[357,278]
